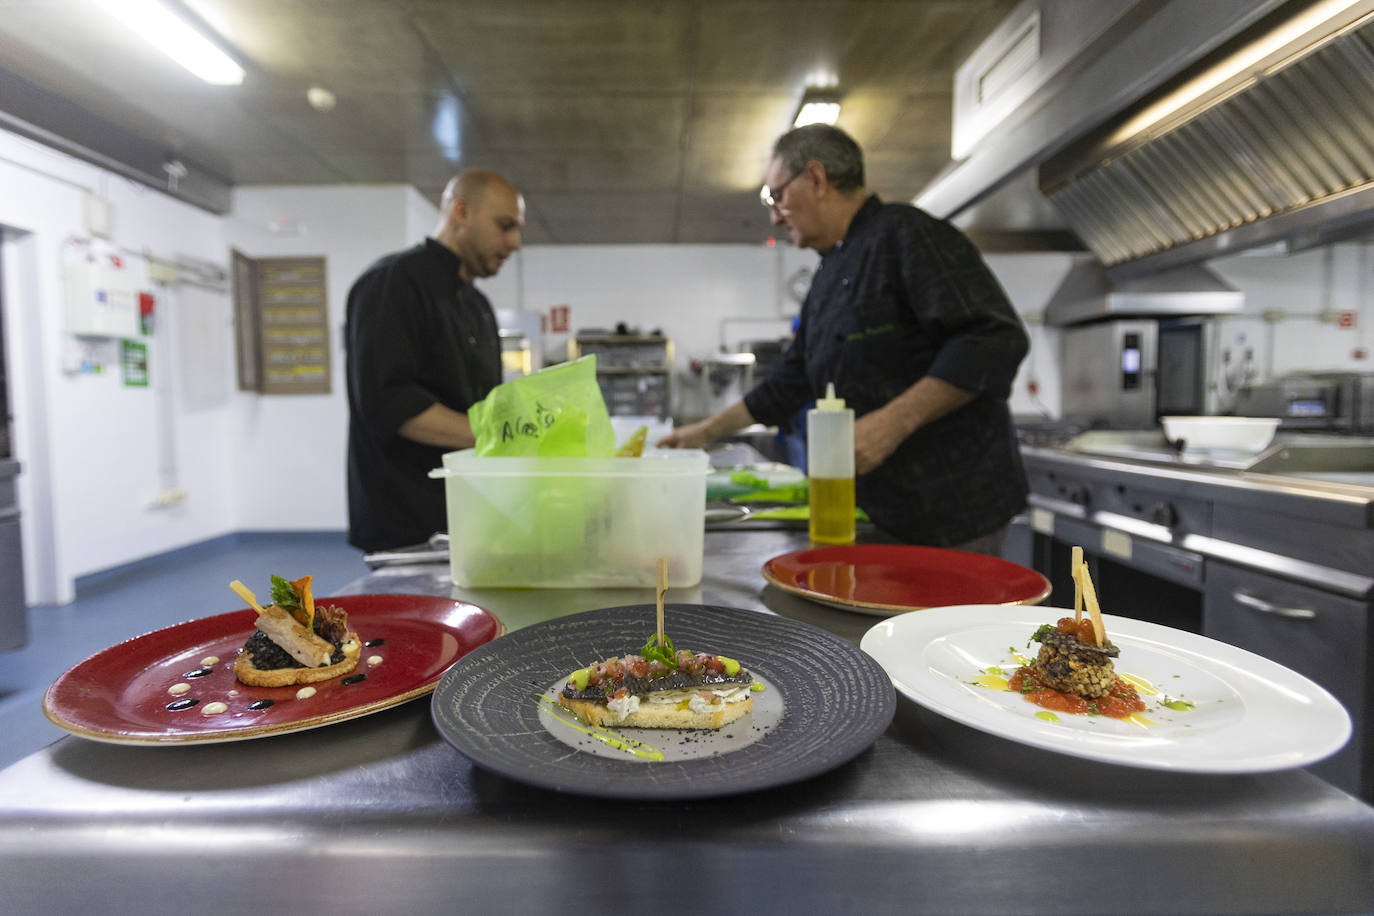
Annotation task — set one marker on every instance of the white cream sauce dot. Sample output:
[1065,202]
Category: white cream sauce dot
[209,660]
[233,693]
[177,690]
[374,659]
[213,709]
[305,693]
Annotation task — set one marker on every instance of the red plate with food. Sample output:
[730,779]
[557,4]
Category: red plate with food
[177,685]
[885,579]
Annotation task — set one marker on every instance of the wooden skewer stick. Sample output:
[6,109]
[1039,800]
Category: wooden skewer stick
[247,595]
[658,596]
[1094,609]
[1076,564]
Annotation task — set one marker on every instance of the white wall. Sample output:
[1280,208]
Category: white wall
[1030,280]
[705,297]
[289,468]
[95,452]
[1291,306]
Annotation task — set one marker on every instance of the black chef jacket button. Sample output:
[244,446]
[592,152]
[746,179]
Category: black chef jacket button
[472,340]
[844,282]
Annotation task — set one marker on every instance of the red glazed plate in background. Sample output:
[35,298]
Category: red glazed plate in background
[121,695]
[885,579]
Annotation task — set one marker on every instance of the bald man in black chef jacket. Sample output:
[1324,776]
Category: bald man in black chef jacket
[422,348]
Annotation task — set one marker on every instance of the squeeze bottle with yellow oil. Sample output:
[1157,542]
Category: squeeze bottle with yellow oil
[830,469]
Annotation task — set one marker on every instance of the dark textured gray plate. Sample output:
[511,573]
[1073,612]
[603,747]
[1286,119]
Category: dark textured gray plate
[836,701]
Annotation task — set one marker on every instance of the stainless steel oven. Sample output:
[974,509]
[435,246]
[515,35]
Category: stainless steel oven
[1128,372]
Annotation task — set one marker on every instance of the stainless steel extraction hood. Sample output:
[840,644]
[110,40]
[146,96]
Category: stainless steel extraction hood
[1089,293]
[1182,131]
[1271,139]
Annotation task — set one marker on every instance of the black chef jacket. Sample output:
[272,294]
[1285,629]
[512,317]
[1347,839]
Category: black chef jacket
[417,335]
[905,295]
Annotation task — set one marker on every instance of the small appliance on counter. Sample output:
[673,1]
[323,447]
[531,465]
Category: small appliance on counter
[1335,401]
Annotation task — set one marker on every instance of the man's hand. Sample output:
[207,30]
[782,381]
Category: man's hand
[878,433]
[876,437]
[695,435]
[699,435]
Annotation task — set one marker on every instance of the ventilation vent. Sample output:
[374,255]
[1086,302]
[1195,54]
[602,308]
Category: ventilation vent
[1291,141]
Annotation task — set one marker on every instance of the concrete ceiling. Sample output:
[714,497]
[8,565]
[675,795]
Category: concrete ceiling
[622,122]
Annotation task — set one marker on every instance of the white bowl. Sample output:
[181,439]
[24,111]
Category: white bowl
[1237,434]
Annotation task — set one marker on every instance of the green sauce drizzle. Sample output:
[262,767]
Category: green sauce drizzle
[607,737]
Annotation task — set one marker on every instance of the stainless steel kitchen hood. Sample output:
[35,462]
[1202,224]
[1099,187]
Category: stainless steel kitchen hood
[1089,293]
[1281,149]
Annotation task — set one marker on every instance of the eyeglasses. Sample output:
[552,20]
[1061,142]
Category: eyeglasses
[772,197]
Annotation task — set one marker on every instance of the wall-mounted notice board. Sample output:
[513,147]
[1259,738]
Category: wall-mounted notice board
[281,321]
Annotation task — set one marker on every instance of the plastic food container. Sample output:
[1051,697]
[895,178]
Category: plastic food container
[1237,434]
[575,522]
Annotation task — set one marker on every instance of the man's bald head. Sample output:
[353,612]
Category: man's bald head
[480,218]
[471,185]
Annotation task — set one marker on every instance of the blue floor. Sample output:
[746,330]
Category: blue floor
[113,606]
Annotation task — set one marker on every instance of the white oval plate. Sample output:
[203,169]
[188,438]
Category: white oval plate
[1250,714]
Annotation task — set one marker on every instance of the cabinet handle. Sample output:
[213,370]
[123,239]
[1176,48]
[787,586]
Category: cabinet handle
[1265,607]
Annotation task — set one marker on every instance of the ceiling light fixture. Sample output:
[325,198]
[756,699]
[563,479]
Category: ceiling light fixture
[174,36]
[818,106]
[1258,54]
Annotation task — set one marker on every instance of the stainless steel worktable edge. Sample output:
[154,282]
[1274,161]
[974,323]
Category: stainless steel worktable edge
[381,813]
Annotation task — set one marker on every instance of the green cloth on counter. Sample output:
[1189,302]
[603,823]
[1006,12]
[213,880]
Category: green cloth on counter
[787,493]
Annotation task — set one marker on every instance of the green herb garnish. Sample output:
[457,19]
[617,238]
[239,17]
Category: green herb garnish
[665,653]
[284,594]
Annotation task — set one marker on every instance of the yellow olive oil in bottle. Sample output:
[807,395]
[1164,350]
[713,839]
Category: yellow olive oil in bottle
[830,469]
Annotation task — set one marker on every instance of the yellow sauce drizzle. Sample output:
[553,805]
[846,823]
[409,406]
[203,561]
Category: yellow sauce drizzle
[1046,715]
[1020,659]
[607,737]
[992,682]
[1140,720]
[1139,683]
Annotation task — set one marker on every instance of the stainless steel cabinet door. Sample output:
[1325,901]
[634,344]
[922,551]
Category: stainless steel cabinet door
[1320,635]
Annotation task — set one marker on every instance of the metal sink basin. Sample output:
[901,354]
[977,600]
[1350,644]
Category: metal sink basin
[1338,458]
[1316,456]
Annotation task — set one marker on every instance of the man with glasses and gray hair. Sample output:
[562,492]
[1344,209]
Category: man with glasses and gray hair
[906,319]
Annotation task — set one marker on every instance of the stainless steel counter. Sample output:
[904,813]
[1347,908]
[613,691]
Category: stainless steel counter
[381,814]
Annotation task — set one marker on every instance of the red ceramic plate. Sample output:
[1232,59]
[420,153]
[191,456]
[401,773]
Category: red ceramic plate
[123,694]
[887,579]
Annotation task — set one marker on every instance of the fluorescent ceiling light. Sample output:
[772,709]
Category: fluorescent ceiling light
[818,106]
[1246,59]
[176,38]
[817,113]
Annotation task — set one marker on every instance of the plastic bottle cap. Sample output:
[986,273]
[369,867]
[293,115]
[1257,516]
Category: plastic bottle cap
[830,402]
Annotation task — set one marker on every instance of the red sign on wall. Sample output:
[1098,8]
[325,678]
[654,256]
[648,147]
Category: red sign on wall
[1346,320]
[559,318]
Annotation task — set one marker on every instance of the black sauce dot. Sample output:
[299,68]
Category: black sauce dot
[185,703]
[353,679]
[199,672]
[261,704]
[375,642]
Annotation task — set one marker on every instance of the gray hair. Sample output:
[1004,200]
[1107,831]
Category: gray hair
[834,149]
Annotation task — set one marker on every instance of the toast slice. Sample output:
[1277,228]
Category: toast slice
[258,666]
[657,715]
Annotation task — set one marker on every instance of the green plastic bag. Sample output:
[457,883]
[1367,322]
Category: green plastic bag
[557,412]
